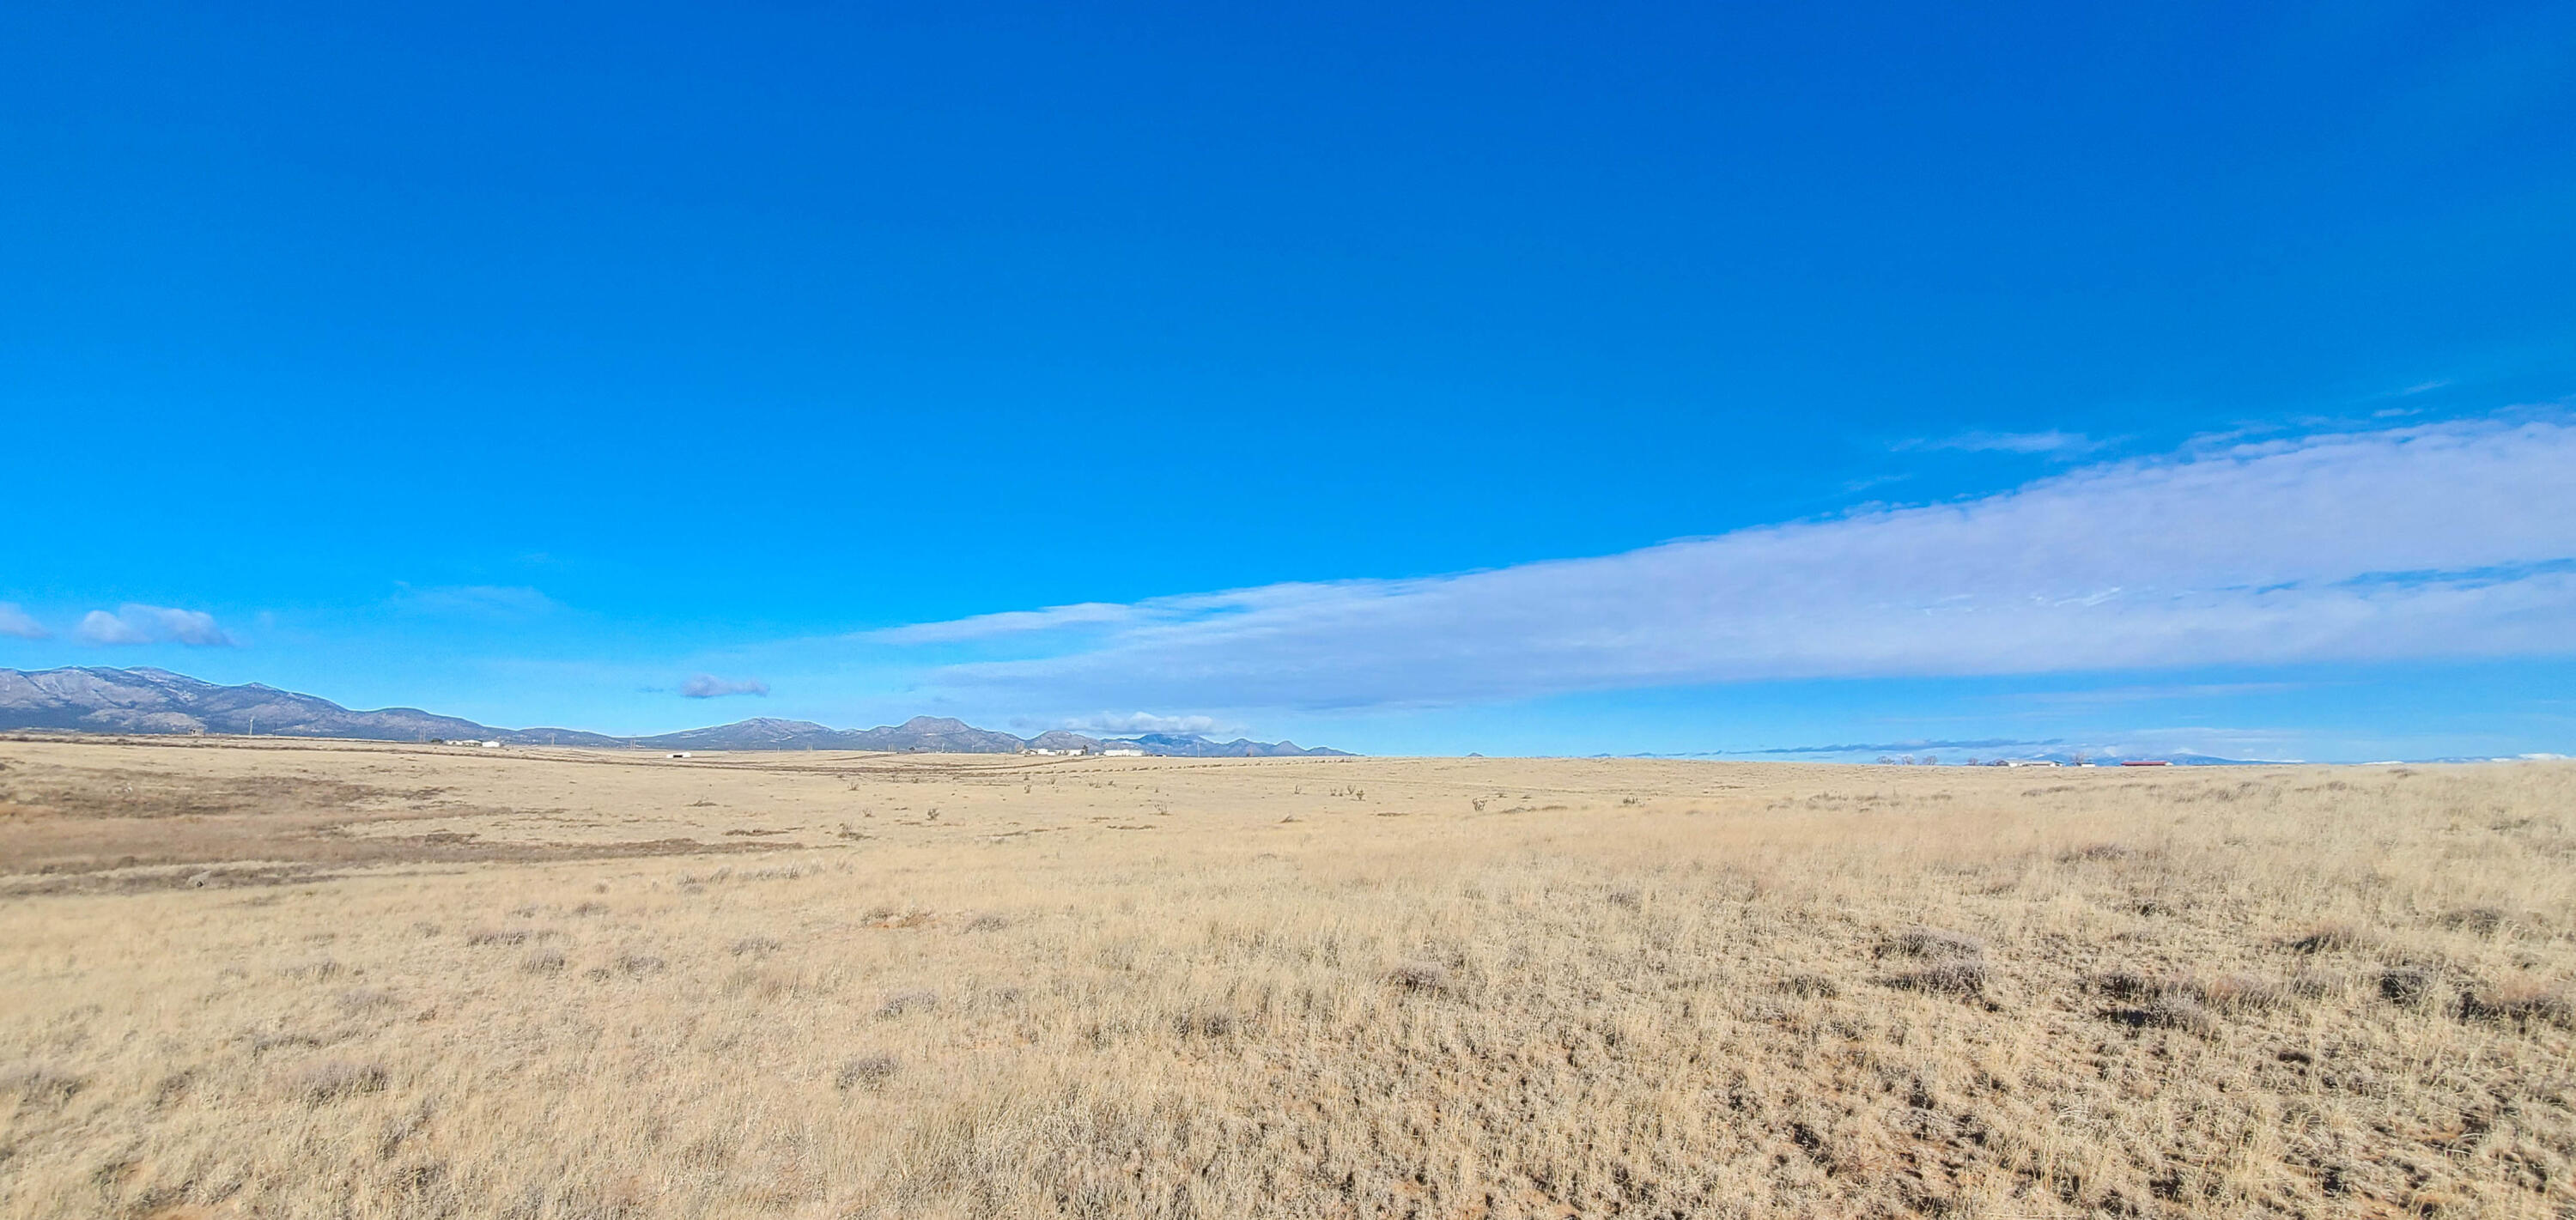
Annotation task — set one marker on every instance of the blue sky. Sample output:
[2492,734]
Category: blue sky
[1406,378]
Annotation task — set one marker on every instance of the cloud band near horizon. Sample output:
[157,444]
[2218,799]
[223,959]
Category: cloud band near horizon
[2452,540]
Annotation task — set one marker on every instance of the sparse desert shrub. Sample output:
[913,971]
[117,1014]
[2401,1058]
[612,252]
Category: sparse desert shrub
[2523,1002]
[2242,993]
[1419,975]
[1953,963]
[900,1002]
[2316,984]
[1811,986]
[544,961]
[1206,1023]
[333,1079]
[866,1072]
[172,1086]
[1958,976]
[1932,942]
[641,963]
[2170,1010]
[2330,938]
[2126,984]
[40,1085]
[755,945]
[310,968]
[2481,920]
[2092,852]
[2409,985]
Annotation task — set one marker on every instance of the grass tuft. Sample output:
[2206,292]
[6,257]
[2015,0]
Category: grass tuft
[332,1079]
[2333,937]
[40,1085]
[866,1072]
[1419,976]
[900,1002]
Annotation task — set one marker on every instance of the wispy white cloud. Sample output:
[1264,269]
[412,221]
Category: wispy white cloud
[1143,722]
[709,686]
[2449,540]
[2149,694]
[134,623]
[2063,444]
[1008,622]
[16,623]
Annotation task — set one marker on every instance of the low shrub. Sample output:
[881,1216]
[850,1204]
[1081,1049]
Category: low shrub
[1418,975]
[866,1071]
[333,1079]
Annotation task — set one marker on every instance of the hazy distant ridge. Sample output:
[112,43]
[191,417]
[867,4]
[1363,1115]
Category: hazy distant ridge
[94,699]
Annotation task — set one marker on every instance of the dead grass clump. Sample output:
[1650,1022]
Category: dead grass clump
[1206,1023]
[866,1072]
[2317,984]
[1962,976]
[2330,938]
[310,968]
[641,963]
[2126,984]
[756,945]
[2407,985]
[1953,963]
[898,1003]
[1931,943]
[40,1085]
[2481,920]
[2242,993]
[2170,1010]
[2522,1002]
[333,1079]
[1419,976]
[544,961]
[500,936]
[2095,852]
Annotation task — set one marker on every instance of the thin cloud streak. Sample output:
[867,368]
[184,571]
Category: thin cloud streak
[1143,722]
[2271,552]
[2051,441]
[709,686]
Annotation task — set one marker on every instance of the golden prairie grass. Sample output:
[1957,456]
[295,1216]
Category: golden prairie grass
[1296,987]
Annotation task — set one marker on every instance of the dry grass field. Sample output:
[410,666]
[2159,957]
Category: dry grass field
[351,980]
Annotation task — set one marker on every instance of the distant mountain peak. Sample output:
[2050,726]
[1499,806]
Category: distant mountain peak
[97,699]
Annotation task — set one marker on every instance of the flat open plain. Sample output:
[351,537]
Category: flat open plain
[321,979]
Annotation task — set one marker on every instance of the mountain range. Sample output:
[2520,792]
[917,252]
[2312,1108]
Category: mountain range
[92,699]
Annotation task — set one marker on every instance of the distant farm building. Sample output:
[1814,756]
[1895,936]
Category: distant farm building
[1122,753]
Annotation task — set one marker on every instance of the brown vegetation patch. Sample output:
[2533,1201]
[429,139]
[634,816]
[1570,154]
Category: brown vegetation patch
[1699,989]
